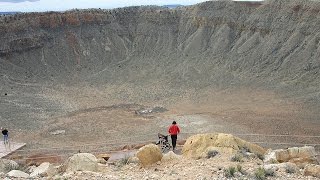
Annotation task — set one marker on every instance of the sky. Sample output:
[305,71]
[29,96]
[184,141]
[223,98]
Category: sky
[61,5]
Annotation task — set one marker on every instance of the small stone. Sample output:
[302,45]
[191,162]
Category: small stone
[154,176]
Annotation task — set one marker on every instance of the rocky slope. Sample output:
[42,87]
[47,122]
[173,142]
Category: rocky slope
[54,63]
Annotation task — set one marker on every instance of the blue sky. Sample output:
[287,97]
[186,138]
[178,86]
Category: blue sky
[60,5]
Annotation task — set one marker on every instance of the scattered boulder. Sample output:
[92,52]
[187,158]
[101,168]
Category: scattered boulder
[149,154]
[170,156]
[298,155]
[312,170]
[7,165]
[82,162]
[17,174]
[198,145]
[44,170]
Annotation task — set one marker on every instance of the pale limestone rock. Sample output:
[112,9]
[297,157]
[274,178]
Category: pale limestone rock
[82,162]
[272,167]
[312,170]
[44,170]
[31,168]
[149,154]
[17,174]
[198,145]
[298,155]
[303,156]
[170,156]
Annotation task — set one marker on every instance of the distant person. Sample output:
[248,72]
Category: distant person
[174,130]
[5,134]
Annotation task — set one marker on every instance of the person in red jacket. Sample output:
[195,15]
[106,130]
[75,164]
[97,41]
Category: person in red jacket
[174,130]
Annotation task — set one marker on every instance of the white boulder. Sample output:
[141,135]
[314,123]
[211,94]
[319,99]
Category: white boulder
[82,162]
[44,170]
[17,174]
[170,156]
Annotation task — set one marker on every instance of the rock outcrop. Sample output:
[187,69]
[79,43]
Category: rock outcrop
[298,155]
[312,170]
[199,145]
[149,154]
[82,162]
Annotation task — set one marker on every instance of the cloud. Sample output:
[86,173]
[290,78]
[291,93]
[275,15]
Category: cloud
[17,1]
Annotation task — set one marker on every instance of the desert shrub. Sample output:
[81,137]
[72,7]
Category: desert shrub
[9,167]
[212,153]
[246,149]
[274,161]
[260,156]
[237,158]
[270,172]
[124,161]
[23,168]
[290,169]
[229,172]
[241,170]
[260,174]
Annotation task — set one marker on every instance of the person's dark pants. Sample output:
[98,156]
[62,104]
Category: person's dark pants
[5,139]
[174,141]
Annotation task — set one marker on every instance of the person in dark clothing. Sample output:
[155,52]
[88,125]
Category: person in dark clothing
[5,134]
[174,130]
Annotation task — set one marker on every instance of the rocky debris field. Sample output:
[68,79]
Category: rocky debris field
[204,156]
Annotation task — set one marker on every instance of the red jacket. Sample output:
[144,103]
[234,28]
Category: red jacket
[174,130]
